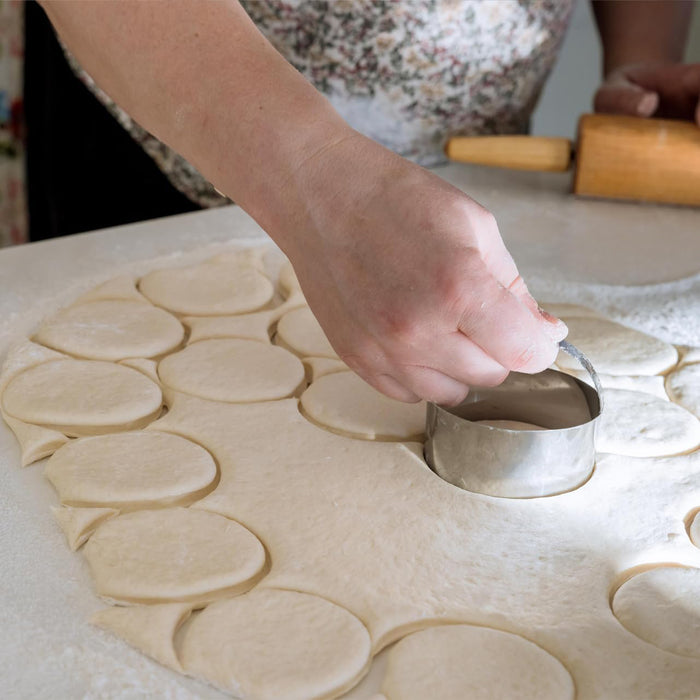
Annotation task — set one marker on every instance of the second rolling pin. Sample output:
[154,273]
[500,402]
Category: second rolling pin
[616,157]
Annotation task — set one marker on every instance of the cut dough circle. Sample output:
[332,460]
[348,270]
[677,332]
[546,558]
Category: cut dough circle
[82,397]
[662,607]
[454,662]
[615,349]
[683,387]
[299,331]
[233,370]
[112,330]
[208,289]
[694,530]
[173,554]
[344,403]
[277,645]
[131,470]
[642,425]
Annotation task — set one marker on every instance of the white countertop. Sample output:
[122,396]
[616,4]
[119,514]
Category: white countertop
[624,258]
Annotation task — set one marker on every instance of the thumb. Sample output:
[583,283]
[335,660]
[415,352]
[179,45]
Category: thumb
[625,98]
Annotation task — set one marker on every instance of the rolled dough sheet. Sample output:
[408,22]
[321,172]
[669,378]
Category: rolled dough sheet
[454,662]
[615,349]
[82,397]
[277,645]
[662,607]
[208,289]
[173,555]
[641,425]
[111,330]
[342,402]
[234,370]
[683,387]
[299,331]
[132,470]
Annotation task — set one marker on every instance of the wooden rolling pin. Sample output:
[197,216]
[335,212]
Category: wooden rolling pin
[656,160]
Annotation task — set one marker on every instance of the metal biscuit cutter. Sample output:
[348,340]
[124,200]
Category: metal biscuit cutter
[555,457]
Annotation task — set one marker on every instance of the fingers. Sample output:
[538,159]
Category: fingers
[504,328]
[626,98]
[501,265]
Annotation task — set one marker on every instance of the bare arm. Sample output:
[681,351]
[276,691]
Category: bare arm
[643,46]
[408,276]
[642,31]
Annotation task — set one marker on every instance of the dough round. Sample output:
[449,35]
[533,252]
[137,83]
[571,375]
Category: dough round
[683,387]
[454,662]
[208,289]
[300,332]
[83,397]
[234,370]
[662,607]
[616,349]
[131,470]
[343,403]
[510,424]
[277,645]
[173,554]
[694,530]
[641,425]
[112,330]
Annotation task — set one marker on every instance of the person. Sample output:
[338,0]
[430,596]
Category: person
[408,276]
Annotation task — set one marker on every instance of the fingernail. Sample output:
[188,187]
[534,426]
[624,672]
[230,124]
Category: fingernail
[555,328]
[647,104]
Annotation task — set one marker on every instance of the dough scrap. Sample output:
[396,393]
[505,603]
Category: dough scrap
[288,282]
[300,332]
[689,354]
[173,554]
[662,607]
[455,662]
[111,330]
[342,402]
[131,470]
[233,370]
[79,523]
[149,628]
[147,367]
[317,367]
[277,645]
[641,425]
[248,326]
[118,288]
[82,397]
[208,289]
[683,387]
[35,442]
[616,349]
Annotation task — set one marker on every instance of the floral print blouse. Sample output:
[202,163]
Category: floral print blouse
[13,217]
[407,73]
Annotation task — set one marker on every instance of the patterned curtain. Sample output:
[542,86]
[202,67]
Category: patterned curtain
[13,214]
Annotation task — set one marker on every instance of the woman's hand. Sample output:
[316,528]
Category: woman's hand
[662,89]
[409,277]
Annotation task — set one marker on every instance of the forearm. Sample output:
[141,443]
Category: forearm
[640,31]
[201,77]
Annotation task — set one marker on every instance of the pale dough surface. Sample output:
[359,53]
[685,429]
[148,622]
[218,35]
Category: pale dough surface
[277,645]
[80,397]
[615,349]
[300,332]
[208,289]
[233,370]
[173,554]
[111,330]
[456,662]
[131,470]
[641,425]
[79,523]
[646,384]
[662,606]
[342,402]
[683,387]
